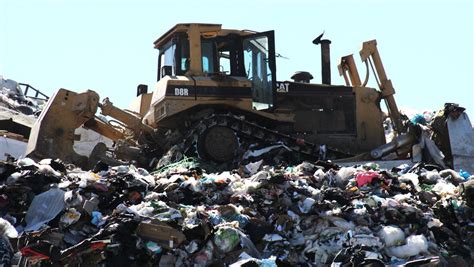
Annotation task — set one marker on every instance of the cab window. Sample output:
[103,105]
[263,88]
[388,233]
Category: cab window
[166,60]
[184,56]
[224,62]
[207,53]
[174,57]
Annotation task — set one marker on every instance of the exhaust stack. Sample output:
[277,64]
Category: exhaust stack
[325,58]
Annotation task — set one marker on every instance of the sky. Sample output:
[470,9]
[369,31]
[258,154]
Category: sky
[107,45]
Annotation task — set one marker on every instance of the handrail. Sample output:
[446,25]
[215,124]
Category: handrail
[37,92]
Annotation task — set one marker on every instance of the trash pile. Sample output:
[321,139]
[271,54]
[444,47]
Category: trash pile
[12,97]
[312,214]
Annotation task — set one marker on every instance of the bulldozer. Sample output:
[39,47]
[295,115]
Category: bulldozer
[217,97]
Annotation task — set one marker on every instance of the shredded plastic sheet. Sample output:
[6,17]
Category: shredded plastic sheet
[253,167]
[45,207]
[259,152]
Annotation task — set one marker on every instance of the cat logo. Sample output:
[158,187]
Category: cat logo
[282,87]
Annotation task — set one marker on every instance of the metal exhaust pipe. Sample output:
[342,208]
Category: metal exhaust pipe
[325,58]
[326,61]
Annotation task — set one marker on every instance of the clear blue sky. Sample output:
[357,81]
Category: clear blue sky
[107,45]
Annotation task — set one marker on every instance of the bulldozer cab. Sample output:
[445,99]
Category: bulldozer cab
[206,50]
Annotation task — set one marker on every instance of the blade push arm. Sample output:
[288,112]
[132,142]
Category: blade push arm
[370,55]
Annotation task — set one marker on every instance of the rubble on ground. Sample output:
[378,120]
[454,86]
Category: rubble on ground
[311,214]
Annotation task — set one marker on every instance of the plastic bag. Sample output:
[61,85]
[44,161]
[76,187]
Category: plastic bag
[226,238]
[70,217]
[391,235]
[6,229]
[306,205]
[364,178]
[413,178]
[415,245]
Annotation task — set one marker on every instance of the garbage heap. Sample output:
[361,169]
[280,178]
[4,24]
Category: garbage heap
[312,214]
[12,97]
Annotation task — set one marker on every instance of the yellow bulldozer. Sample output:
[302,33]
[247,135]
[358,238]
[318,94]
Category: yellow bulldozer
[217,96]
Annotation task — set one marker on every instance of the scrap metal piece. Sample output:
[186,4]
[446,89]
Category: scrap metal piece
[461,138]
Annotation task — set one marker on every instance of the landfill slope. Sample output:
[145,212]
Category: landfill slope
[311,214]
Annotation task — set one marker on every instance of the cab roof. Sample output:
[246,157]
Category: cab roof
[208,29]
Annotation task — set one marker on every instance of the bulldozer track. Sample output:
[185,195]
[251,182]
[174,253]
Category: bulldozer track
[249,130]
